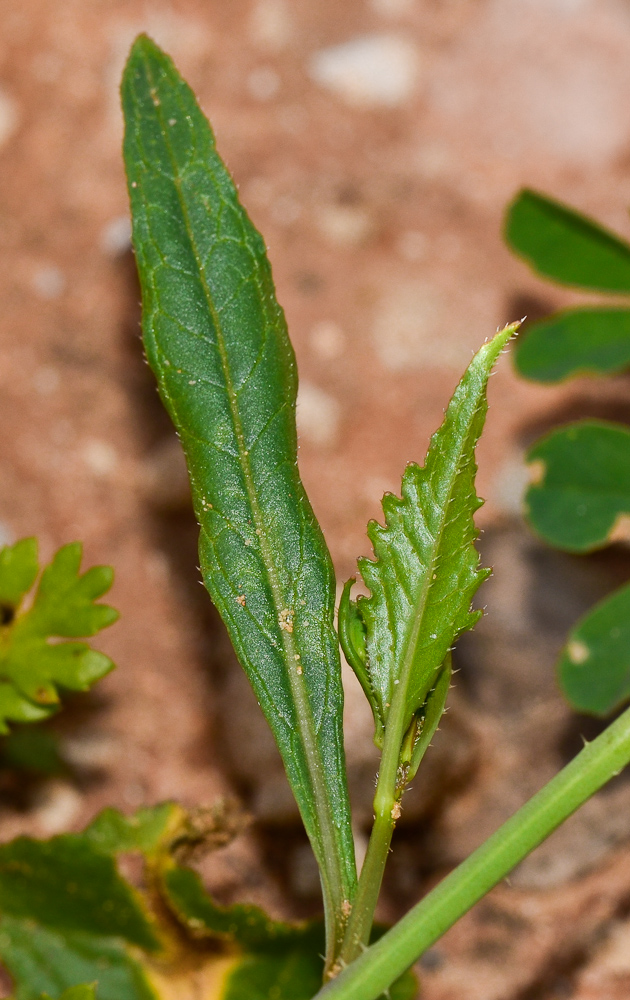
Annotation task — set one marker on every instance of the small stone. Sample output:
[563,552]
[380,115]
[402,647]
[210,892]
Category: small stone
[318,415]
[345,225]
[100,457]
[327,340]
[8,117]
[392,8]
[371,71]
[46,380]
[270,25]
[116,236]
[263,83]
[413,245]
[58,805]
[48,282]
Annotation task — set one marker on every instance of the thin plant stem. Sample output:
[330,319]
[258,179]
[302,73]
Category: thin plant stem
[382,963]
[389,791]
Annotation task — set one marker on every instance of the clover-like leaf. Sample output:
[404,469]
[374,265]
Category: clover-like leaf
[566,246]
[426,570]
[34,662]
[579,499]
[575,342]
[594,668]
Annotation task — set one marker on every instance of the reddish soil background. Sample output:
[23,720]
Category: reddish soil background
[379,174]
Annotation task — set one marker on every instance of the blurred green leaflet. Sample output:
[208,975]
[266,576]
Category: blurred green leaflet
[595,663]
[579,499]
[576,342]
[33,663]
[561,244]
[565,246]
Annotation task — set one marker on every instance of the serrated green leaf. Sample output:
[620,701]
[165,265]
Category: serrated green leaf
[594,668]
[559,243]
[426,569]
[217,342]
[44,961]
[580,497]
[33,663]
[575,342]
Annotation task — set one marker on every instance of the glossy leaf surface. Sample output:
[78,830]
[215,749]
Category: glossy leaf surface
[594,669]
[426,569]
[34,664]
[217,342]
[575,342]
[561,244]
[580,497]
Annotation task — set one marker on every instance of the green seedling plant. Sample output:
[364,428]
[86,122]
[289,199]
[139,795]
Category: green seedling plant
[217,342]
[579,499]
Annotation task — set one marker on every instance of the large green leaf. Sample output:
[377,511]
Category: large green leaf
[67,917]
[33,663]
[580,496]
[42,960]
[217,342]
[563,245]
[594,668]
[427,568]
[575,342]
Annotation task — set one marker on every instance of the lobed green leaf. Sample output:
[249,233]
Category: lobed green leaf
[575,342]
[560,243]
[33,662]
[580,496]
[217,341]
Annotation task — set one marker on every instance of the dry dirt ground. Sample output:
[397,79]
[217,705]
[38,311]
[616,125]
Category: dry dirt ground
[376,144]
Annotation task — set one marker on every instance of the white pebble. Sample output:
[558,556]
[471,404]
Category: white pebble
[8,117]
[100,457]
[116,236]
[48,282]
[372,71]
[318,415]
[270,25]
[263,83]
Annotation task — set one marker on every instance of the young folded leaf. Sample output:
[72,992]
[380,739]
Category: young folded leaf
[426,569]
[217,341]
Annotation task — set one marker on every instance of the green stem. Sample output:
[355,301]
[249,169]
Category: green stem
[386,808]
[381,964]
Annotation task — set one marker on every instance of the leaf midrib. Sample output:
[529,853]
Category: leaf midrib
[398,710]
